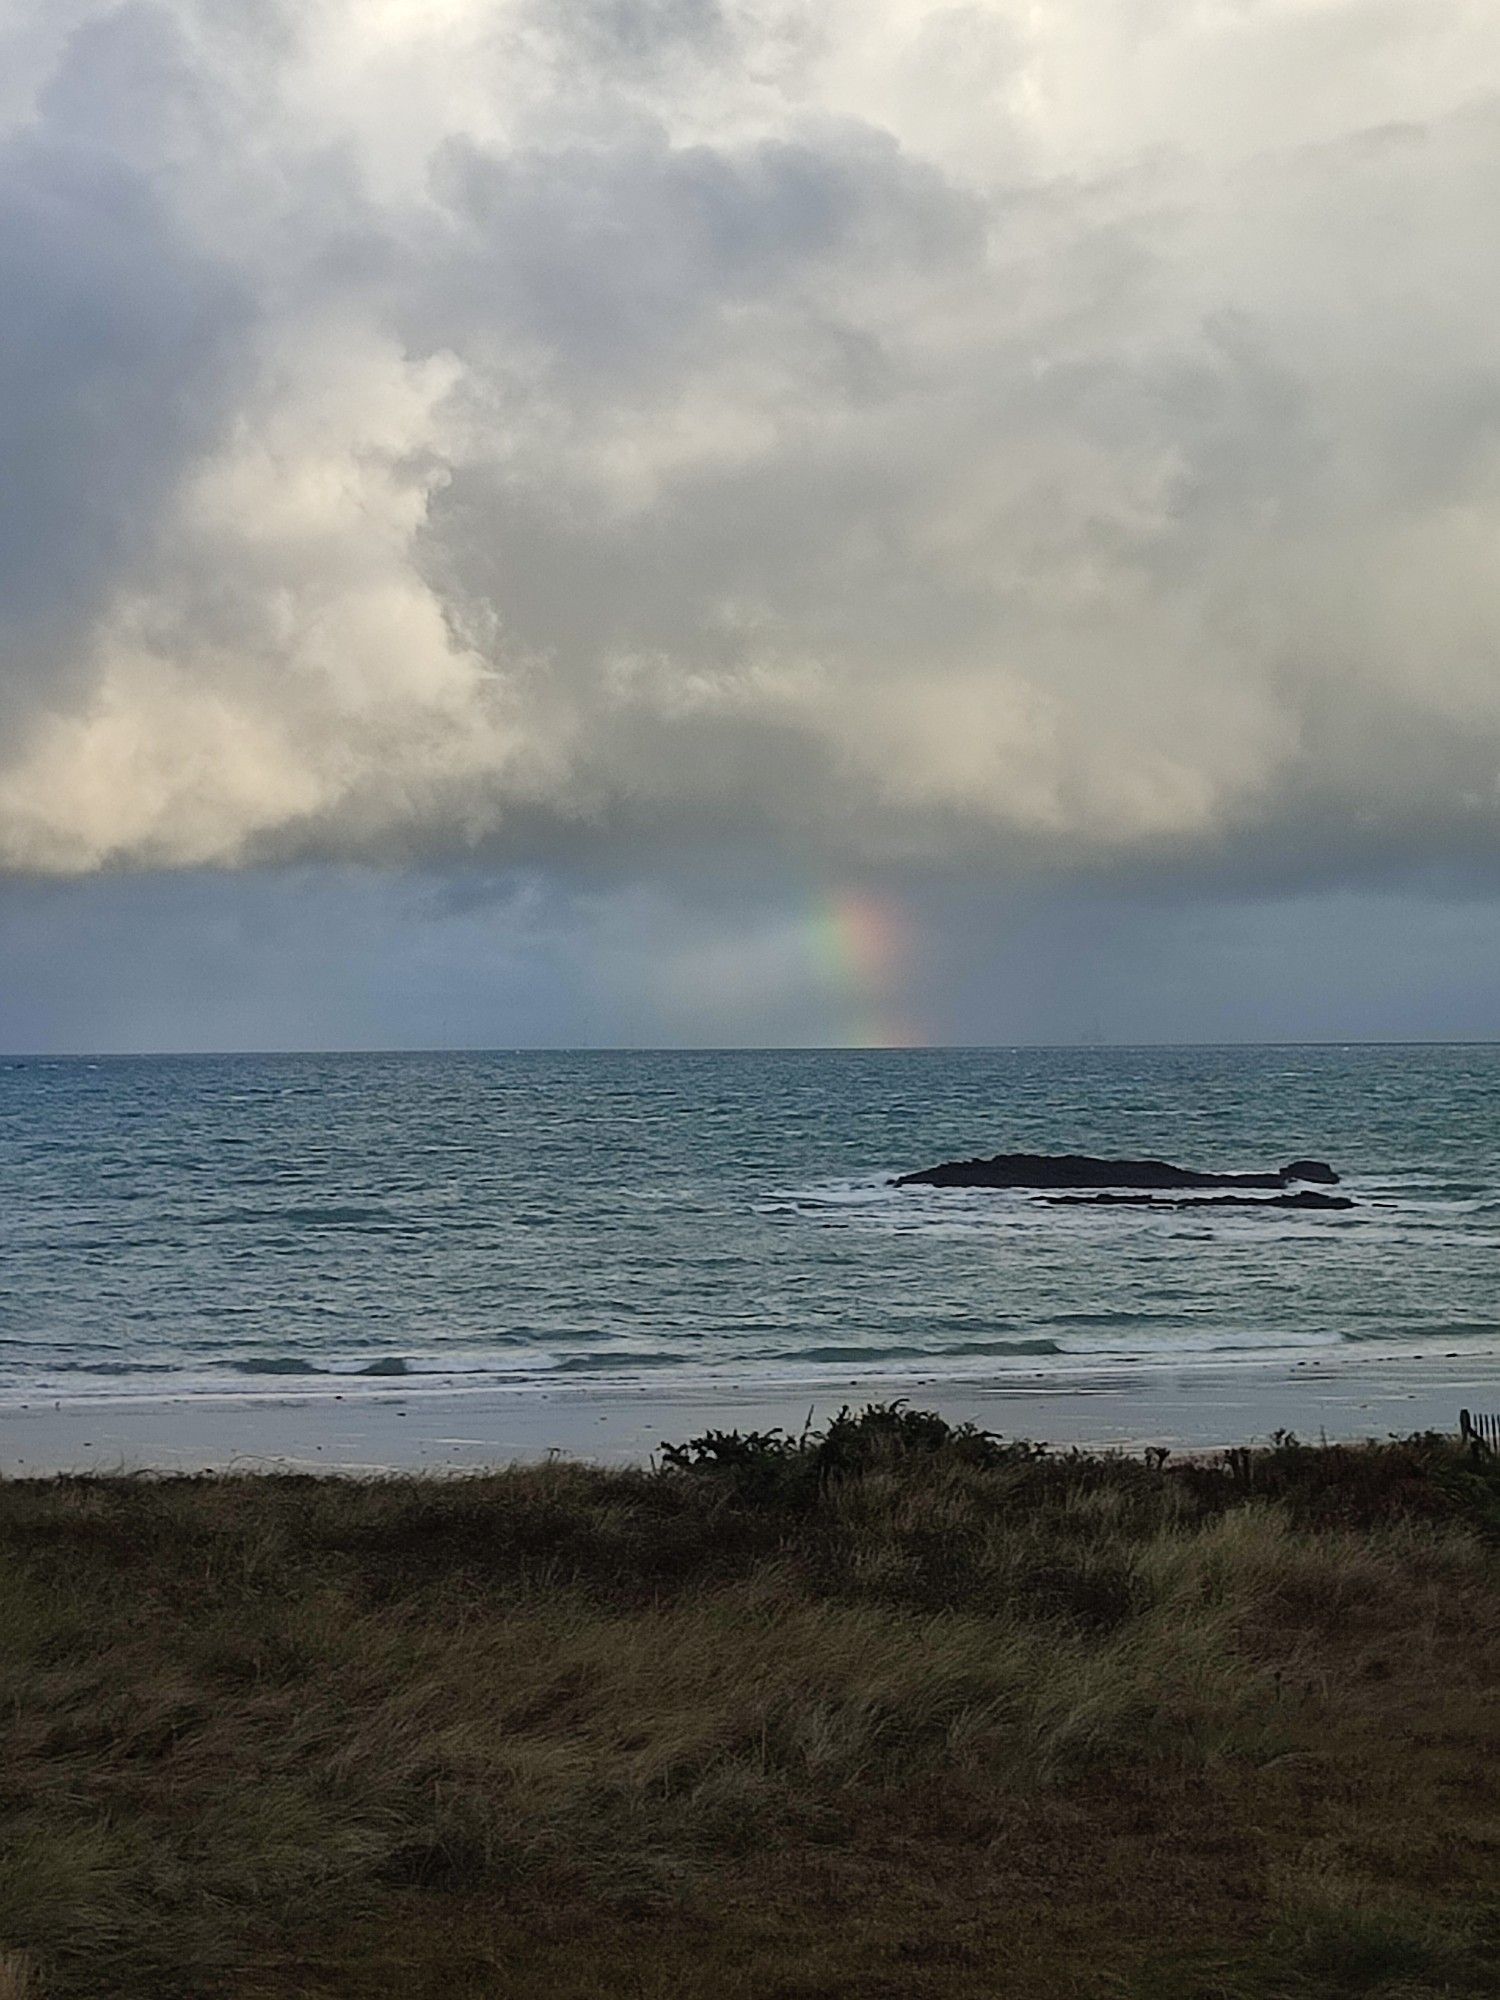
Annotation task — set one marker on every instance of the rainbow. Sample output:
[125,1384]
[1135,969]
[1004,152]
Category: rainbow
[859,944]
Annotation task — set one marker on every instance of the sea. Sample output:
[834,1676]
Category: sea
[311,1225]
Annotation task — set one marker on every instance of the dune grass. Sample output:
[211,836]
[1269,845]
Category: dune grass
[891,1711]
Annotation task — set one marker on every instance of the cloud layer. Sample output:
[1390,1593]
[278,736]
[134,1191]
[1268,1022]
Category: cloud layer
[603,435]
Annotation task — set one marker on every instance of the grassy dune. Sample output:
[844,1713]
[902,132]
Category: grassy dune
[893,1713]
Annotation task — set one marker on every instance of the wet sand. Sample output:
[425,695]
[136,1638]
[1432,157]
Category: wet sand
[411,1429]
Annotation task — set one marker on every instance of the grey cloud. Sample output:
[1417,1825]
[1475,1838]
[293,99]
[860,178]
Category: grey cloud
[126,86]
[649,442]
[114,339]
[614,259]
[633,36]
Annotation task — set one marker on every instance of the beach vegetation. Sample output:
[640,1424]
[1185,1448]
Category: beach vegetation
[893,1708]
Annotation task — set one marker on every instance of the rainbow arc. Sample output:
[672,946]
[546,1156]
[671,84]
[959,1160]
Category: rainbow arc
[860,944]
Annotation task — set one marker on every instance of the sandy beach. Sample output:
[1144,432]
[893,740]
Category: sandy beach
[416,1430]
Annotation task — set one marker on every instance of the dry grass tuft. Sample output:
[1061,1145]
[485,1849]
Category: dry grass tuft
[912,1714]
[15,1977]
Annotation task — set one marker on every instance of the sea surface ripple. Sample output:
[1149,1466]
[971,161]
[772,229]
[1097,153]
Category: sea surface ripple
[338,1224]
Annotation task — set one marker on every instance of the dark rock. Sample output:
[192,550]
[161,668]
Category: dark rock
[1304,1198]
[1080,1170]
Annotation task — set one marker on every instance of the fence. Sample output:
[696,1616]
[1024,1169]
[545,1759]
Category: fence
[1479,1432]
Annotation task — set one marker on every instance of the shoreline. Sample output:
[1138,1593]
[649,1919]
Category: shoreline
[402,1429]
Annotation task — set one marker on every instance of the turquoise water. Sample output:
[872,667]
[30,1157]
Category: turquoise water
[326,1224]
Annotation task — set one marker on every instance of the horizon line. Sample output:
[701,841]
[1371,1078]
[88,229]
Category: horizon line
[13,1056]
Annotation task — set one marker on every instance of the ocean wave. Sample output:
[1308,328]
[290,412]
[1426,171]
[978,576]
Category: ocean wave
[1458,1329]
[1118,1318]
[274,1364]
[295,1364]
[953,1351]
[612,1364]
[307,1215]
[113,1368]
[842,1194]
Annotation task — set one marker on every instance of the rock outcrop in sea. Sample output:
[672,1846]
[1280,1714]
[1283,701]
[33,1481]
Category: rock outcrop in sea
[1131,1182]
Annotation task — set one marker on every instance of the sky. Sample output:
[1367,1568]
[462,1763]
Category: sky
[533,522]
